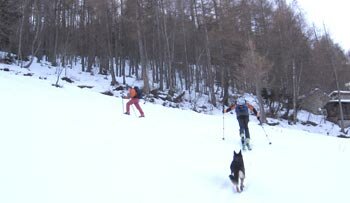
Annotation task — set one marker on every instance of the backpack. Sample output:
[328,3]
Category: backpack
[138,92]
[242,110]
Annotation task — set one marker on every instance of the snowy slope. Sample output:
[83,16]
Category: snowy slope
[75,145]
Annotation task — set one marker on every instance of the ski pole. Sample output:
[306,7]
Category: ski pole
[144,100]
[133,109]
[122,105]
[267,137]
[223,122]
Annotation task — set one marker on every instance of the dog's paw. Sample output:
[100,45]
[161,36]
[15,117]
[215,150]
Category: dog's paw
[238,189]
[242,187]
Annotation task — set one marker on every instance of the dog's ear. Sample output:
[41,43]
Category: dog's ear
[240,152]
[234,153]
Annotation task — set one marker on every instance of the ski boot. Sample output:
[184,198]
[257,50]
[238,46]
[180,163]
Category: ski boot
[248,144]
[243,141]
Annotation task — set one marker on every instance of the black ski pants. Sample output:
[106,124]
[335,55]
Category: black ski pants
[243,126]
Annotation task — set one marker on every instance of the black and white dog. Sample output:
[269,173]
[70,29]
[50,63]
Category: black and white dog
[237,171]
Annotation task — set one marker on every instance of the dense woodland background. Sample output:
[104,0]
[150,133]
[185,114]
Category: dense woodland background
[260,46]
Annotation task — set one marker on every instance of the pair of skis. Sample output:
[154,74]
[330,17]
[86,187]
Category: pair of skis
[246,146]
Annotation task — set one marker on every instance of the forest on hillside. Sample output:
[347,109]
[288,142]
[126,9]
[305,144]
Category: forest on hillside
[260,46]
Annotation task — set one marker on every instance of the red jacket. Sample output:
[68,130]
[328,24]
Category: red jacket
[132,93]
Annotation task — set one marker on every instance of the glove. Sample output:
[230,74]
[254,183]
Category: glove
[258,117]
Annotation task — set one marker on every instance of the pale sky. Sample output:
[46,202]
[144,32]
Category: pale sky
[335,14]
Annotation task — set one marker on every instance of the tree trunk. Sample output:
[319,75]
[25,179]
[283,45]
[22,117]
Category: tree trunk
[342,126]
[19,52]
[160,63]
[167,50]
[38,29]
[224,83]
[257,66]
[141,48]
[294,94]
[209,67]
[185,54]
[109,48]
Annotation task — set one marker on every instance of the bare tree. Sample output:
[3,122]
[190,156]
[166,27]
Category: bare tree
[170,81]
[256,69]
[208,62]
[24,7]
[141,47]
[335,72]
[185,44]
[38,27]
[10,14]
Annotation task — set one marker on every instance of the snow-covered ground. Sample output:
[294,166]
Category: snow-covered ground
[76,145]
[101,83]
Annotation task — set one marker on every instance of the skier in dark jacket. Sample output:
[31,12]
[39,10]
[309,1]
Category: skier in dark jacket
[242,112]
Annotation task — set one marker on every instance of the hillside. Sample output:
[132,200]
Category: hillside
[74,145]
[73,76]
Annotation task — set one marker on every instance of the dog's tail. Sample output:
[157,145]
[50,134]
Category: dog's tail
[233,179]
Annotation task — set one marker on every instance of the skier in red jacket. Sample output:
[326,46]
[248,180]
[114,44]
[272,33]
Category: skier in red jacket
[134,99]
